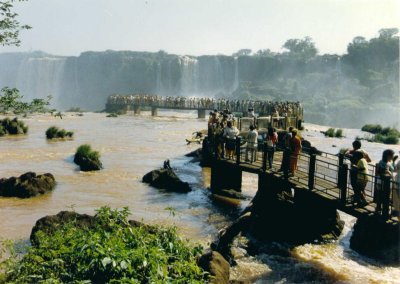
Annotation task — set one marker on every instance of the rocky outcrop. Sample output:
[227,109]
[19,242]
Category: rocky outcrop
[275,215]
[216,265]
[27,185]
[87,159]
[166,179]
[12,126]
[50,223]
[377,239]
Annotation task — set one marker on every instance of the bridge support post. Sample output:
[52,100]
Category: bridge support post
[264,157]
[225,176]
[385,195]
[136,109]
[201,113]
[311,171]
[342,183]
[154,111]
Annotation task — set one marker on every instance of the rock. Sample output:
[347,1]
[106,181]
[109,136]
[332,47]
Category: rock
[377,239]
[87,159]
[27,185]
[229,193]
[166,179]
[215,264]
[275,215]
[49,223]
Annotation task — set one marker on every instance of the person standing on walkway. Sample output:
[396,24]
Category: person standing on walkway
[252,144]
[271,140]
[230,133]
[384,171]
[295,147]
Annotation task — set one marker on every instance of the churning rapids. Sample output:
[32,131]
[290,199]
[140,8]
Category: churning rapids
[133,145]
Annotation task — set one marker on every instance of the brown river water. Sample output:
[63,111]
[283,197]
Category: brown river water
[131,146]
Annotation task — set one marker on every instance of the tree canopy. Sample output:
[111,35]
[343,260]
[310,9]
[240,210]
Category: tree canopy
[9,24]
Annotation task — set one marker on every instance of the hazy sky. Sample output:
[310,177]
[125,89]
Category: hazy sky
[68,27]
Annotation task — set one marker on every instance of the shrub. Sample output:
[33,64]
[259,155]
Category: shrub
[87,159]
[332,132]
[54,132]
[12,127]
[112,115]
[110,251]
[372,128]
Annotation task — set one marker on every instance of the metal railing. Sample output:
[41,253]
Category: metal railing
[322,172]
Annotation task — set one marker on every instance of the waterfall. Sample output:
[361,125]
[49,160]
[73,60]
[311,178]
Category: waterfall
[39,77]
[189,77]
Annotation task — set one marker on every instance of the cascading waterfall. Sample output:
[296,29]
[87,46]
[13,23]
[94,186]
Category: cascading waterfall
[236,81]
[40,77]
[189,77]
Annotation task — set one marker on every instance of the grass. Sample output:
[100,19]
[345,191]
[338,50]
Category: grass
[332,132]
[386,135]
[110,252]
[54,132]
[12,126]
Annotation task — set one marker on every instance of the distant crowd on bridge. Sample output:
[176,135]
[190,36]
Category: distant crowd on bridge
[276,108]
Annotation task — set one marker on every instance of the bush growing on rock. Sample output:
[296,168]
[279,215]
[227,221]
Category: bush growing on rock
[386,135]
[54,132]
[12,126]
[108,249]
[87,159]
[332,132]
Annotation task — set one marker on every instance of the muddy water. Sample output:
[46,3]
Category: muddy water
[133,145]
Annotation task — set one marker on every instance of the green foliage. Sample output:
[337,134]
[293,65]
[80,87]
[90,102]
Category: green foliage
[301,48]
[111,252]
[54,132]
[386,135]
[372,128]
[12,127]
[87,159]
[9,24]
[11,101]
[332,132]
[112,115]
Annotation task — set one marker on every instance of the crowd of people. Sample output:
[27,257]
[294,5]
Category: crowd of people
[223,132]
[274,108]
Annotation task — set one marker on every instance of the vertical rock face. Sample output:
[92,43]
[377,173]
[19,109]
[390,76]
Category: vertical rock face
[377,239]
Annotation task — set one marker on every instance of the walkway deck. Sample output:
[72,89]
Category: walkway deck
[325,174]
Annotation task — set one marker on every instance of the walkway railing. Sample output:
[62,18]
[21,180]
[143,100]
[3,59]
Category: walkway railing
[326,173]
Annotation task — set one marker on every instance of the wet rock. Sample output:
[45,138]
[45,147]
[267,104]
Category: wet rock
[27,185]
[275,215]
[229,193]
[87,159]
[166,179]
[49,224]
[377,239]
[215,264]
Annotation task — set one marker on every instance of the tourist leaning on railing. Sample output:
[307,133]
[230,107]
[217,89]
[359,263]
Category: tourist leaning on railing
[384,172]
[361,178]
[271,139]
[230,134]
[396,191]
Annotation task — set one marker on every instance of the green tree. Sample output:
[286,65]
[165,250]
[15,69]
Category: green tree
[10,100]
[9,24]
[242,52]
[301,48]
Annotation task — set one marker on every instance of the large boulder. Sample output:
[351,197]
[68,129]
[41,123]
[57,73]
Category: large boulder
[375,238]
[27,185]
[166,179]
[275,214]
[216,265]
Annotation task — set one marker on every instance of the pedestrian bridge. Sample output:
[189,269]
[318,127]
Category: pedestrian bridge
[325,174]
[139,102]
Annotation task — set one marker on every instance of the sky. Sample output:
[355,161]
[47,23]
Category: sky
[196,27]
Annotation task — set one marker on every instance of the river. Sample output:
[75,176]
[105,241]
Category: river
[131,146]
